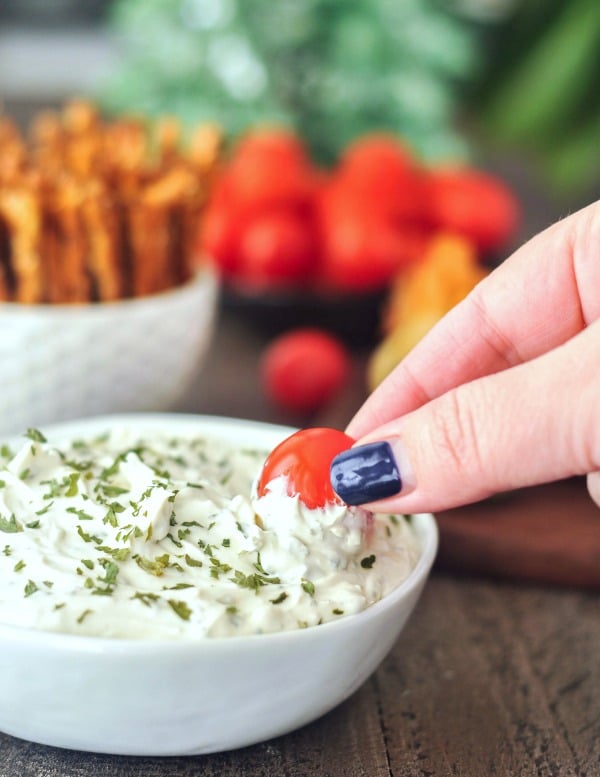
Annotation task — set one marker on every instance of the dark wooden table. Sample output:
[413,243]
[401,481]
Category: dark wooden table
[488,678]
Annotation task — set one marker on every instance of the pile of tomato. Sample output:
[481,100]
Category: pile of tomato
[277,221]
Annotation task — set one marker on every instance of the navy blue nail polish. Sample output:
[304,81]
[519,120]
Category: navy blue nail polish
[366,473]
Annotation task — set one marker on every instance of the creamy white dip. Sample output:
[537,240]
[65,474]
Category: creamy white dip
[160,537]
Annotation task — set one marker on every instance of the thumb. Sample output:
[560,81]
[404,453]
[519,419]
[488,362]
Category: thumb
[537,422]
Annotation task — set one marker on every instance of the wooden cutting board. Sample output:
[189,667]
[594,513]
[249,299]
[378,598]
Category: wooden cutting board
[547,534]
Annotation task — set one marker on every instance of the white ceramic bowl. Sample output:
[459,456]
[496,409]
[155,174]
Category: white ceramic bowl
[71,361]
[156,697]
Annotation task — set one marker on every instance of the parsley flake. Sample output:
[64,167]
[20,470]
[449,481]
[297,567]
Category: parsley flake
[180,608]
[35,435]
[367,562]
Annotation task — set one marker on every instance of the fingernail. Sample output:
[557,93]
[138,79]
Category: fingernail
[366,473]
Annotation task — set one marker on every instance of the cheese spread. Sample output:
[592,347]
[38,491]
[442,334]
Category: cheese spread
[145,537]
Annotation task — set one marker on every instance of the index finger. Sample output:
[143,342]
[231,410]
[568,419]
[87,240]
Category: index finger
[539,298]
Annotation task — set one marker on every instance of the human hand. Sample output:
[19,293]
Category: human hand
[503,392]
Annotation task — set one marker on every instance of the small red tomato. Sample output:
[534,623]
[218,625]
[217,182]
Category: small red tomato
[384,178]
[474,204]
[276,249]
[219,237]
[272,143]
[304,369]
[305,459]
[364,255]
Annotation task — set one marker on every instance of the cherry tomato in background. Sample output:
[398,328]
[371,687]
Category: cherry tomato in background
[304,369]
[273,144]
[474,204]
[384,179]
[365,254]
[277,223]
[305,458]
[219,237]
[276,249]
[260,182]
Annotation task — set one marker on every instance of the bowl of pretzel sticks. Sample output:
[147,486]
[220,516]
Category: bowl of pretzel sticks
[105,303]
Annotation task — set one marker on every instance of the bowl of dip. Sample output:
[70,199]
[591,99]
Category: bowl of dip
[152,605]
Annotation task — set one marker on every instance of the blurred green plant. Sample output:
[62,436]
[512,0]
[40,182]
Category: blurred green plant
[331,69]
[541,88]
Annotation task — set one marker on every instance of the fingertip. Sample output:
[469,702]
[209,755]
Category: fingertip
[371,472]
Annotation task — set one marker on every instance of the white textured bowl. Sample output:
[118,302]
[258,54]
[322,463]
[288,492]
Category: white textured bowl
[155,697]
[70,361]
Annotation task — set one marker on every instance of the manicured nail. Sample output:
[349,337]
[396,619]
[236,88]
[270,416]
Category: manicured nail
[366,473]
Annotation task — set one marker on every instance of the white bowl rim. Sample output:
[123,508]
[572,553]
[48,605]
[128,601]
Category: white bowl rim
[204,274]
[427,533]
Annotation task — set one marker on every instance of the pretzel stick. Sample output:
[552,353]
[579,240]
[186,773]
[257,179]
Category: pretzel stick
[21,210]
[205,147]
[73,279]
[5,249]
[102,225]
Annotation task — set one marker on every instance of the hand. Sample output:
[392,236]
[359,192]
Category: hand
[503,392]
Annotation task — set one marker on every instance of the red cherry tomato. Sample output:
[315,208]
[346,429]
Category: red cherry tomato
[364,255]
[276,249]
[381,175]
[273,143]
[304,369]
[305,459]
[474,204]
[219,237]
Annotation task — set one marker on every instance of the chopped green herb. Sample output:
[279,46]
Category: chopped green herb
[10,525]
[81,514]
[218,567]
[174,541]
[178,587]
[281,598]
[308,586]
[7,550]
[87,562]
[192,562]
[145,598]
[19,566]
[33,525]
[111,570]
[72,487]
[43,511]
[35,435]
[254,581]
[30,588]
[6,452]
[110,490]
[231,610]
[106,591]
[226,542]
[367,562]
[87,537]
[337,611]
[180,608]
[154,567]
[84,615]
[25,474]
